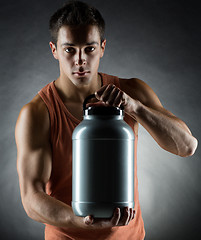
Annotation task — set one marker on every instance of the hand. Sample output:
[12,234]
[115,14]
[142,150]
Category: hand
[89,222]
[112,95]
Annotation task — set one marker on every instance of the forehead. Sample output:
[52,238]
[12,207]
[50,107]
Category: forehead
[78,35]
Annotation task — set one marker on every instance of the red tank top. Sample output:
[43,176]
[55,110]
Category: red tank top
[59,186]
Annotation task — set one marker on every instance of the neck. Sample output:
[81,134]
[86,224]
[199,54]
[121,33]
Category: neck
[69,92]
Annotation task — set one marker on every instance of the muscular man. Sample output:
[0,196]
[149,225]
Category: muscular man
[45,125]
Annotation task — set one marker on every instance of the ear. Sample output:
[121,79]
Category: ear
[103,47]
[54,50]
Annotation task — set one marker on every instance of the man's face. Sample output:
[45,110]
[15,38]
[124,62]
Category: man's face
[78,50]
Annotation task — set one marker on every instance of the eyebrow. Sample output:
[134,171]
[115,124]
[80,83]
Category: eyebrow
[71,44]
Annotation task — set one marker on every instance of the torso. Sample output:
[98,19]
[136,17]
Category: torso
[74,108]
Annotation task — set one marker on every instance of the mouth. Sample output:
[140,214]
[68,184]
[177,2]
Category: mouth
[81,73]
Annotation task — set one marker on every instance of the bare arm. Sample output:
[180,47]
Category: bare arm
[34,163]
[143,105]
[170,132]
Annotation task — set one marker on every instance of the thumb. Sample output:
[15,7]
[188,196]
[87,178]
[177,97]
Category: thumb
[88,220]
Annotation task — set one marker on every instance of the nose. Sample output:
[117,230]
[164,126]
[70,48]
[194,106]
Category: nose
[80,60]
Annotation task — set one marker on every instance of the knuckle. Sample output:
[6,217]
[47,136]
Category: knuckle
[116,90]
[110,86]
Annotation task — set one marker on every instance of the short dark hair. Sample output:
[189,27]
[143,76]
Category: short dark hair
[76,13]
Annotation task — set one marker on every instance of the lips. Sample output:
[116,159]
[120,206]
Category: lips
[81,73]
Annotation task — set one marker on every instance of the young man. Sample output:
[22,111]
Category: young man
[45,125]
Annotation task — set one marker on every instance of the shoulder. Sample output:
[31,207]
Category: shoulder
[36,108]
[33,118]
[140,90]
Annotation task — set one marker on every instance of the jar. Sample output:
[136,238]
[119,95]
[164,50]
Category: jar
[102,162]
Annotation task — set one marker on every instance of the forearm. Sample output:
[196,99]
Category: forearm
[46,209]
[166,130]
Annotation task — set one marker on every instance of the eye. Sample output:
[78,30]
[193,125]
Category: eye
[90,49]
[69,50]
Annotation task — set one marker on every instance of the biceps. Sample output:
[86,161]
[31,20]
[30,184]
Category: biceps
[34,169]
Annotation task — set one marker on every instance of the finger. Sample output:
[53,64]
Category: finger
[131,215]
[118,98]
[100,91]
[88,220]
[113,95]
[116,216]
[106,94]
[125,216]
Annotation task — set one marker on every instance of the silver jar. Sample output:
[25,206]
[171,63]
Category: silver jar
[102,162]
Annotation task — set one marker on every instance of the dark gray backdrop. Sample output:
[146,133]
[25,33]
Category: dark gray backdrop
[156,41]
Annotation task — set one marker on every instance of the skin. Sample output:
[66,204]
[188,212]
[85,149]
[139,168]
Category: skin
[32,132]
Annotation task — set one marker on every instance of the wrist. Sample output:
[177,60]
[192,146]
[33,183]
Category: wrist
[133,107]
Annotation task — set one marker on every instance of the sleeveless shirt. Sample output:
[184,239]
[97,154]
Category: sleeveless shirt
[59,186]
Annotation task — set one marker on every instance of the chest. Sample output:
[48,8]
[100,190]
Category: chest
[76,110]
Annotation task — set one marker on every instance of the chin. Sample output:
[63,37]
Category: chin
[81,81]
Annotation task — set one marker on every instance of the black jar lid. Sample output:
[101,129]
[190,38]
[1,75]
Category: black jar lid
[103,110]
[98,108]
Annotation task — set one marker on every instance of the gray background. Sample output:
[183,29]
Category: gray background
[156,41]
